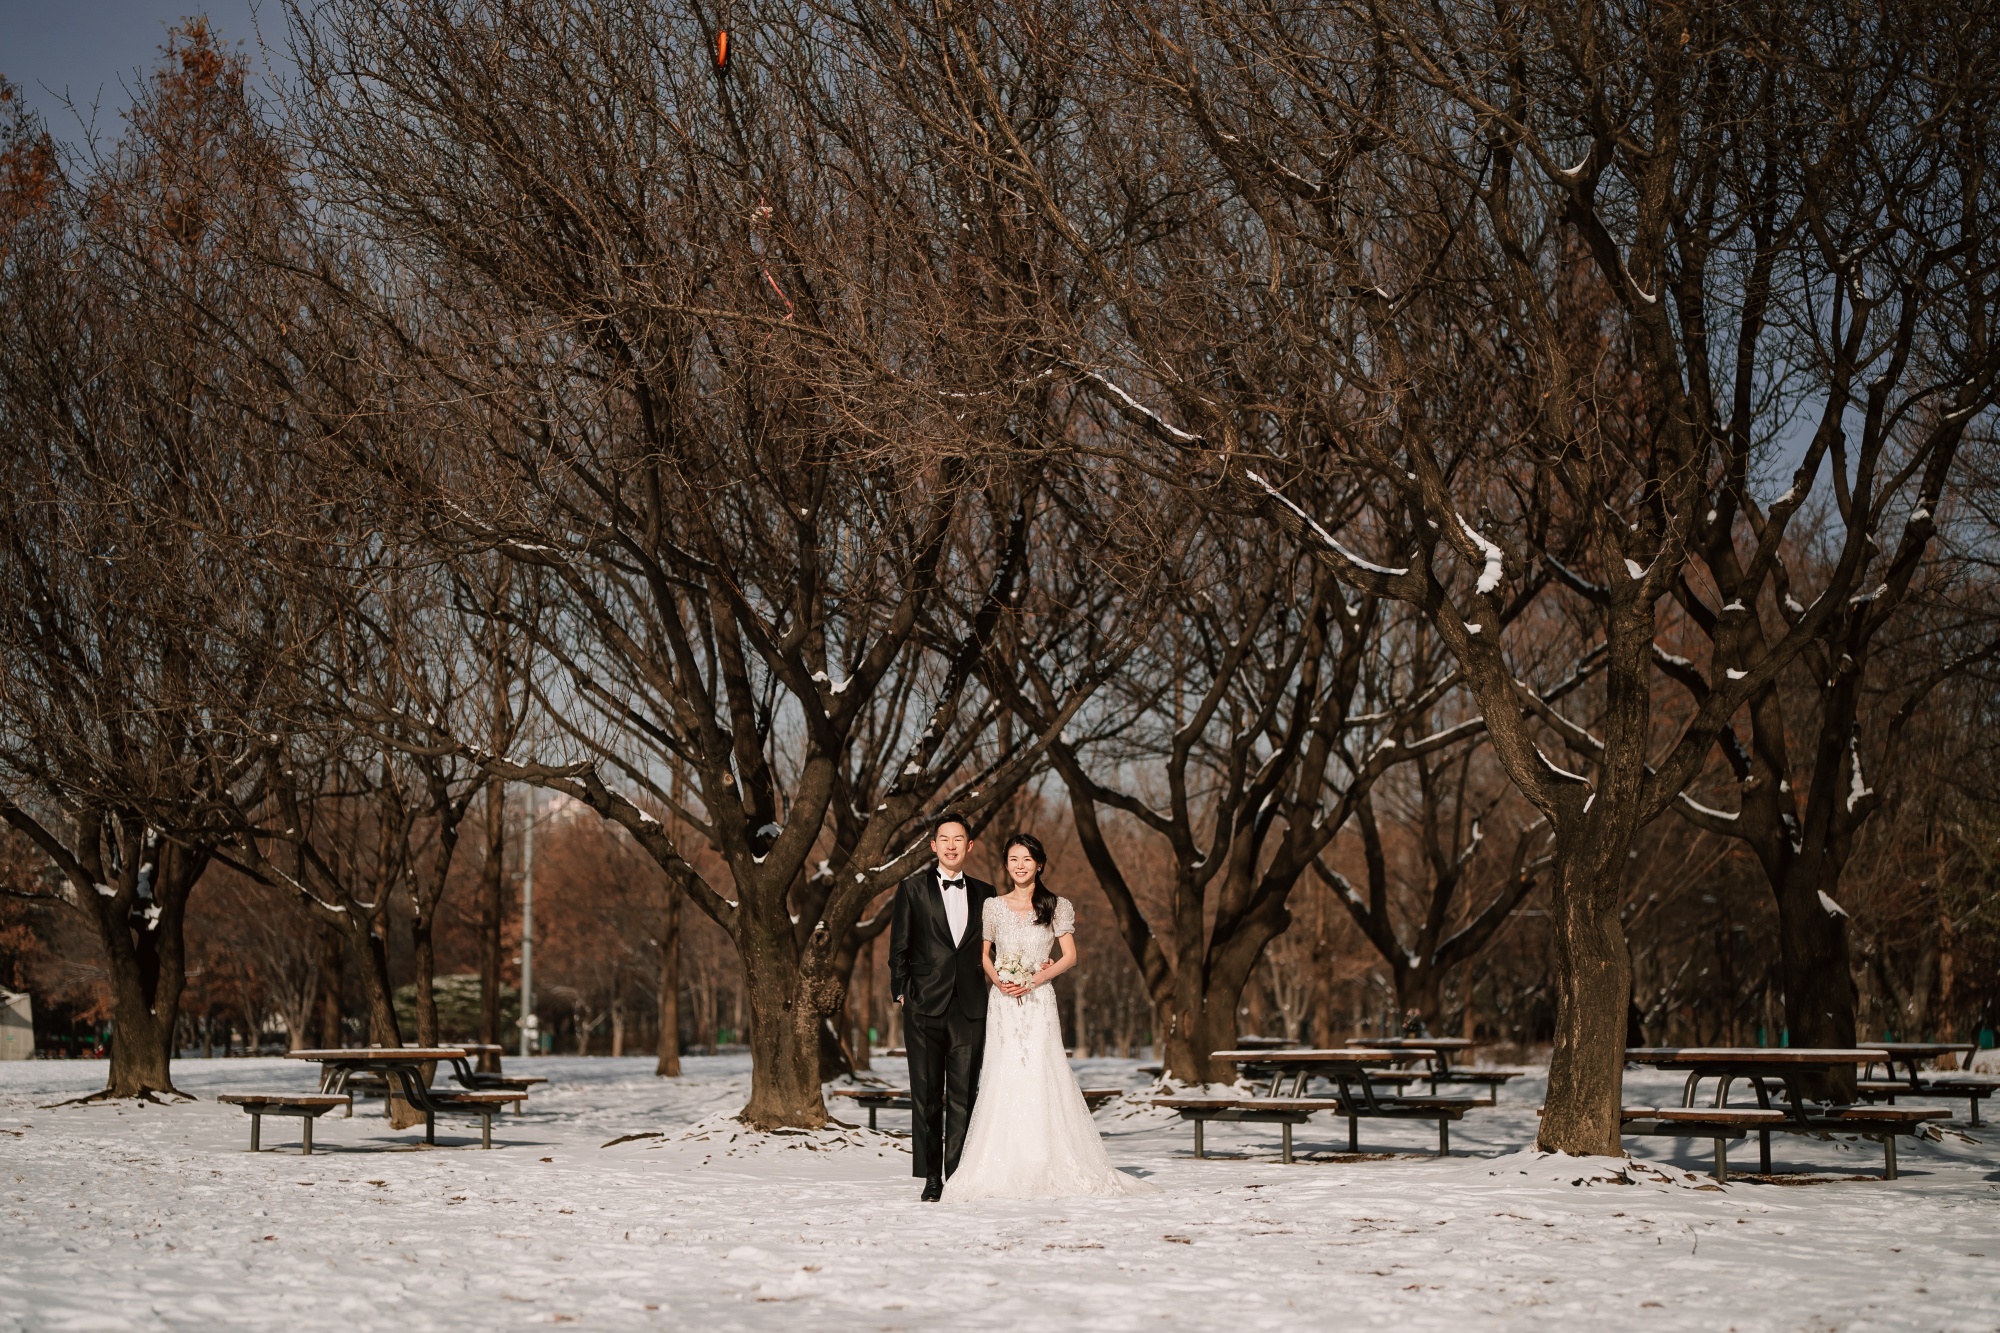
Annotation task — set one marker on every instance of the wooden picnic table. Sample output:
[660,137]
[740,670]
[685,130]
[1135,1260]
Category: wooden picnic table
[1437,1052]
[406,1068]
[338,1065]
[1908,1053]
[1912,1081]
[1801,1071]
[1355,1070]
[873,1099]
[1797,1068]
[1302,1064]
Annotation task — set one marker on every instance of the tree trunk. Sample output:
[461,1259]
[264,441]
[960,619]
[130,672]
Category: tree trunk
[785,1033]
[426,958]
[837,1042]
[1195,1006]
[298,1017]
[834,1059]
[332,986]
[492,906]
[1593,991]
[668,1051]
[861,1003]
[617,1026]
[383,1030]
[1813,954]
[1418,993]
[376,990]
[1195,1021]
[146,965]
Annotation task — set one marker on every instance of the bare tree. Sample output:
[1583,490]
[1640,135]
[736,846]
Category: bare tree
[1449,835]
[135,632]
[739,411]
[364,805]
[1582,247]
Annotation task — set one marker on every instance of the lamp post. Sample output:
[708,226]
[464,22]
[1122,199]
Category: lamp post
[528,1024]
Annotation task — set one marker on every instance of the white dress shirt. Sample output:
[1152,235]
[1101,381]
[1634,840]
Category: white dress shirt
[955,913]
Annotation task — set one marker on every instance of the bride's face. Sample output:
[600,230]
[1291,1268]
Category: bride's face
[1020,865]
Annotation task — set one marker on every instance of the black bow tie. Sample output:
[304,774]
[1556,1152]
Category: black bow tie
[954,882]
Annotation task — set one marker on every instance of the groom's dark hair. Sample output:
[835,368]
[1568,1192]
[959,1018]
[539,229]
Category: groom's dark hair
[939,820]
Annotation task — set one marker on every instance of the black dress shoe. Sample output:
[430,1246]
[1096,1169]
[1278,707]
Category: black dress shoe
[933,1190]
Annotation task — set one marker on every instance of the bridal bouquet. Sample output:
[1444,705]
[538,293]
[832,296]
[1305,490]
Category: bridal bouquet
[1014,969]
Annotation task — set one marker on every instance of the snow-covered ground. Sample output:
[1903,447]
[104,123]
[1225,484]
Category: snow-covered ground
[131,1216]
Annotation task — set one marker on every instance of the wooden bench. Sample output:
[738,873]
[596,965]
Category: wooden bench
[473,1080]
[1704,1122]
[898,1099]
[1289,1111]
[1282,1111]
[307,1106]
[1444,1110]
[1493,1079]
[485,1105]
[1723,1123]
[1974,1088]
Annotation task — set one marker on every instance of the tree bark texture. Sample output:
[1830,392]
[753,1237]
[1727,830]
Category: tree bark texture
[492,914]
[1593,991]
[667,1063]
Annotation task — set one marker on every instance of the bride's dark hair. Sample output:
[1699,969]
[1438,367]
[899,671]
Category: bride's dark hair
[1045,902]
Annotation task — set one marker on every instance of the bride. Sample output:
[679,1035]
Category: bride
[1031,1135]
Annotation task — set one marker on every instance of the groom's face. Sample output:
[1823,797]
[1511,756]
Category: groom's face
[949,845]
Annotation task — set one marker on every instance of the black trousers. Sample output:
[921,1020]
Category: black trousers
[944,1054]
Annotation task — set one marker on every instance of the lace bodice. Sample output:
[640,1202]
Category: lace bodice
[1013,932]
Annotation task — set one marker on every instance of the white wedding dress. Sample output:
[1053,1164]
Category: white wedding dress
[1031,1135]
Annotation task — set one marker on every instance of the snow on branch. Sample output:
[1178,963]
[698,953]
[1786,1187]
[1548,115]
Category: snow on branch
[1705,811]
[1559,771]
[1857,789]
[1595,591]
[1489,577]
[1172,431]
[1323,534]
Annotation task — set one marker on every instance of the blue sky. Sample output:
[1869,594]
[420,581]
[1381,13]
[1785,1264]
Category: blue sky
[93,50]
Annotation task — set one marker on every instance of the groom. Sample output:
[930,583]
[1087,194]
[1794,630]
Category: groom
[935,974]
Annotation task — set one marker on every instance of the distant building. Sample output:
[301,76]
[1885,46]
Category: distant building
[17,1027]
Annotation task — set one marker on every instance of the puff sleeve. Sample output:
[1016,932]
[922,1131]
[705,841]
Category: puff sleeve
[1065,918]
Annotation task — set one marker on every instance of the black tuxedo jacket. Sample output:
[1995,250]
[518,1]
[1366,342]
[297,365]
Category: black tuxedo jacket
[933,976]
